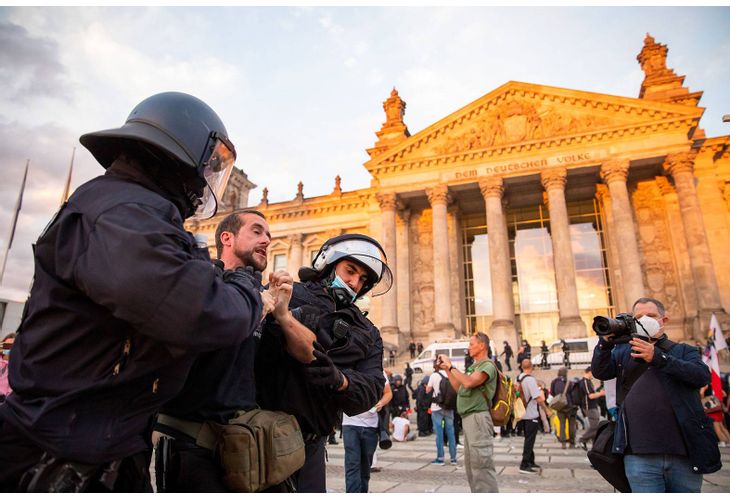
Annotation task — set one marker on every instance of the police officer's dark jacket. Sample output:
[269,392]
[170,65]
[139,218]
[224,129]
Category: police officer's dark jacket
[120,301]
[356,350]
[220,383]
[682,374]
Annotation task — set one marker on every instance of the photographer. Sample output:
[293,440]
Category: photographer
[661,428]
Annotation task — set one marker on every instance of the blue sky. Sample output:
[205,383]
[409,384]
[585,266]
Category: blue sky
[301,89]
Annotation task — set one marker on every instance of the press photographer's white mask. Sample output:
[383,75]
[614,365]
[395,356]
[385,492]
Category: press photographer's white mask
[651,327]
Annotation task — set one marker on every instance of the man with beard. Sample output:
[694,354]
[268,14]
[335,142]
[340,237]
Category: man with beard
[221,383]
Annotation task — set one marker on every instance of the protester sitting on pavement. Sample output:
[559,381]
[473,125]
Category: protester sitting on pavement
[661,429]
[476,388]
[402,428]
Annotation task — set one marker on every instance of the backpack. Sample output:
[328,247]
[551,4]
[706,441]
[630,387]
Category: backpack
[503,403]
[575,393]
[446,397]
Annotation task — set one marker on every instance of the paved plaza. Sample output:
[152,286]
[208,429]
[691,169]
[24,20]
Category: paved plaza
[406,468]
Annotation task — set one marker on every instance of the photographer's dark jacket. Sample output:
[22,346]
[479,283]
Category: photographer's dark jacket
[356,350]
[682,374]
[121,301]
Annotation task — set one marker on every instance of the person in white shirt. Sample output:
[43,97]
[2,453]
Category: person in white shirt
[439,415]
[360,438]
[402,428]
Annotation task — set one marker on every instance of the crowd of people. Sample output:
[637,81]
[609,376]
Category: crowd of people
[134,339]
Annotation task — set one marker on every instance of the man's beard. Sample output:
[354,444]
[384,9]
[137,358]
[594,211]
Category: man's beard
[249,258]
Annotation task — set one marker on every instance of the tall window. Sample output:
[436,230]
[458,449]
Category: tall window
[533,272]
[280,262]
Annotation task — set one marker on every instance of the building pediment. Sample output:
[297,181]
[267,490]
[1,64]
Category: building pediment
[519,117]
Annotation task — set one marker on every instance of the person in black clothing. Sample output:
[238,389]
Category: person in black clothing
[419,348]
[400,401]
[566,416]
[521,354]
[347,371]
[391,359]
[528,350]
[507,355]
[423,404]
[221,382]
[412,349]
[589,407]
[122,300]
[409,377]
[544,360]
[566,353]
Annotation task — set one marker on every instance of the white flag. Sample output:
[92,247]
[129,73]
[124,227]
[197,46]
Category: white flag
[717,336]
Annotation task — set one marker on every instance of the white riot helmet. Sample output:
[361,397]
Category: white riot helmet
[361,249]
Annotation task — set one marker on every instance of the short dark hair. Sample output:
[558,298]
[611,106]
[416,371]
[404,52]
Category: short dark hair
[588,369]
[232,223]
[646,300]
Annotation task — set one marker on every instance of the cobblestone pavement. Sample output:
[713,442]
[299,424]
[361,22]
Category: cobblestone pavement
[406,468]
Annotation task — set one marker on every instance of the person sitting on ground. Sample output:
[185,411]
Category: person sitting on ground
[402,428]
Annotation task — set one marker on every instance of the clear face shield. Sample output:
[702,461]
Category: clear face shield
[215,170]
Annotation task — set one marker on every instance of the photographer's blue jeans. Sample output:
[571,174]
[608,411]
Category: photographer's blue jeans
[660,474]
[447,417]
[360,444]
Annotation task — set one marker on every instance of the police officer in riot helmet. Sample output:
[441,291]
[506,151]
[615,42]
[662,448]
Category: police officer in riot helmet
[122,300]
[342,369]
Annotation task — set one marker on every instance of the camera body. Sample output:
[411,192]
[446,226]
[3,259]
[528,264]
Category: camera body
[623,327]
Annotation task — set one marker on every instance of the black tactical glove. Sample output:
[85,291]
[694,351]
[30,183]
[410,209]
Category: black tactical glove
[307,315]
[322,371]
[243,277]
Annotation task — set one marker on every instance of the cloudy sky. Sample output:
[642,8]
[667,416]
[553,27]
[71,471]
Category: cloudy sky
[301,89]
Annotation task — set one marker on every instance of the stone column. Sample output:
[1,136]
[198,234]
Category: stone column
[389,318]
[681,167]
[294,260]
[623,230]
[438,197]
[570,324]
[403,278]
[503,303]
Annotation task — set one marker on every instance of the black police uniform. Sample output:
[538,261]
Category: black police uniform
[121,296]
[220,384]
[354,345]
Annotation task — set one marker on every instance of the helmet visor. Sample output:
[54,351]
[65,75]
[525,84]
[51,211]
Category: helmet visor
[216,171]
[380,269]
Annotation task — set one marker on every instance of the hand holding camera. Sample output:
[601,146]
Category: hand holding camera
[444,362]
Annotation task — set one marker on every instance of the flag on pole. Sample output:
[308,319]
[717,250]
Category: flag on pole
[67,189]
[18,206]
[718,338]
[710,359]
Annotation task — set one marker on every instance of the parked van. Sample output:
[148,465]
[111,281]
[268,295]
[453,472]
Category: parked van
[581,352]
[456,350]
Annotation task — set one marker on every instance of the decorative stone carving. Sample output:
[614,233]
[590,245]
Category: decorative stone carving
[300,192]
[338,188]
[517,120]
[554,178]
[615,170]
[491,187]
[295,239]
[657,257]
[653,58]
[264,197]
[680,163]
[422,295]
[438,194]
[387,201]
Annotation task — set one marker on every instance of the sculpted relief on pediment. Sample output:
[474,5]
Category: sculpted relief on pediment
[519,120]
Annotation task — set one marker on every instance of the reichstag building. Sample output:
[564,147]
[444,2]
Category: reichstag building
[531,210]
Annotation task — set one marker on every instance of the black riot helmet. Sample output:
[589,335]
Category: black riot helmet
[180,128]
[356,247]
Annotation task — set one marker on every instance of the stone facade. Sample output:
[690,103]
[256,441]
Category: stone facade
[661,188]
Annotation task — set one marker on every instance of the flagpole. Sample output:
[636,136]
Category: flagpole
[18,205]
[67,189]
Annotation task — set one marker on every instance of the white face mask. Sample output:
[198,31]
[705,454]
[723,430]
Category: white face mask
[651,327]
